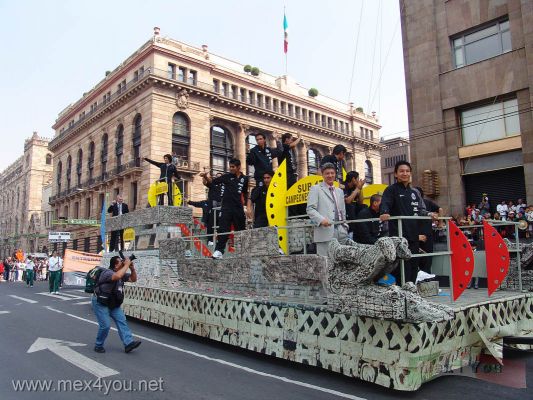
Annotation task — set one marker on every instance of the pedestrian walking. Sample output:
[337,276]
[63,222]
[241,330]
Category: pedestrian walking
[30,267]
[55,264]
[106,302]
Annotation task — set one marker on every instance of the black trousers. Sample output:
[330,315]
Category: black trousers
[427,246]
[227,218]
[116,238]
[411,266]
[210,225]
[260,221]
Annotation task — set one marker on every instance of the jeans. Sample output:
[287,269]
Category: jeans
[104,315]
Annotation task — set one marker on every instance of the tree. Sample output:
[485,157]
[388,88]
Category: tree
[313,92]
[247,68]
[255,71]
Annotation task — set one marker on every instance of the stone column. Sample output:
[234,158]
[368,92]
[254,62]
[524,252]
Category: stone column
[272,143]
[301,158]
[240,145]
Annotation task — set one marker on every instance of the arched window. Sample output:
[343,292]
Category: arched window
[369,177]
[313,162]
[251,142]
[181,136]
[48,159]
[79,167]
[119,147]
[104,154]
[221,149]
[69,171]
[91,160]
[137,125]
[59,173]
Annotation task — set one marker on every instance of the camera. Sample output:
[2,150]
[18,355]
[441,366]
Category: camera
[132,257]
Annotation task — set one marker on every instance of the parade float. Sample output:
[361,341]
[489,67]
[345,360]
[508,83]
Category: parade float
[326,312]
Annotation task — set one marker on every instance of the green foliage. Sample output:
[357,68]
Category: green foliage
[247,68]
[313,92]
[255,71]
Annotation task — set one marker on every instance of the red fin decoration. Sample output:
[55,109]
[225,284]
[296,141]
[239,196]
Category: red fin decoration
[497,257]
[462,260]
[197,243]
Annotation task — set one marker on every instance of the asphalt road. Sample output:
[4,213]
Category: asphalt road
[173,365]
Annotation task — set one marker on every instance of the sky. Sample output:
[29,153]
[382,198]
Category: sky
[55,50]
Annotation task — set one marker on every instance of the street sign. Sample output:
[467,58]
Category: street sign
[86,222]
[55,237]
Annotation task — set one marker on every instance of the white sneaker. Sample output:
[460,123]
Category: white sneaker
[210,243]
[422,276]
[217,254]
[56,292]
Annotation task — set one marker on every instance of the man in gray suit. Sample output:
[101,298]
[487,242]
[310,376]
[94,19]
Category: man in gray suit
[325,207]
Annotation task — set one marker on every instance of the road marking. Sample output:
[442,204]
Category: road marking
[63,349]
[23,299]
[53,309]
[233,365]
[62,296]
[83,302]
[5,312]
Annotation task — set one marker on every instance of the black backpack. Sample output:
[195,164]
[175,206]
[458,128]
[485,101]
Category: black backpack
[91,279]
[111,295]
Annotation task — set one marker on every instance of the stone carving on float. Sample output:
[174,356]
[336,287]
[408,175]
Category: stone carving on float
[353,270]
[182,99]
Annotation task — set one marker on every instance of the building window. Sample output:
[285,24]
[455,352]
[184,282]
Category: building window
[91,160]
[242,95]
[119,147]
[216,85]
[48,159]
[482,44]
[234,92]
[251,97]
[490,122]
[88,207]
[191,77]
[76,210]
[87,244]
[171,71]
[69,171]
[369,174]
[59,173]
[133,195]
[101,197]
[75,244]
[79,167]
[313,161]
[181,136]
[225,89]
[103,158]
[221,149]
[181,74]
[276,105]
[268,103]
[137,128]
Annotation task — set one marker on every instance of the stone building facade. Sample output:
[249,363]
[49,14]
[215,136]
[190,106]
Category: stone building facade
[21,199]
[169,97]
[469,79]
[396,149]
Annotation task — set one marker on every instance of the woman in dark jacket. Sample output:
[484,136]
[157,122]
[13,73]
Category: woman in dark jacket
[168,170]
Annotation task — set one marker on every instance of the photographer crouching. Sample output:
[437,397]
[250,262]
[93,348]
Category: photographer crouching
[107,299]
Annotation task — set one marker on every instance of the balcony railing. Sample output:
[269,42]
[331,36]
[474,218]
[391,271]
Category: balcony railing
[186,165]
[135,163]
